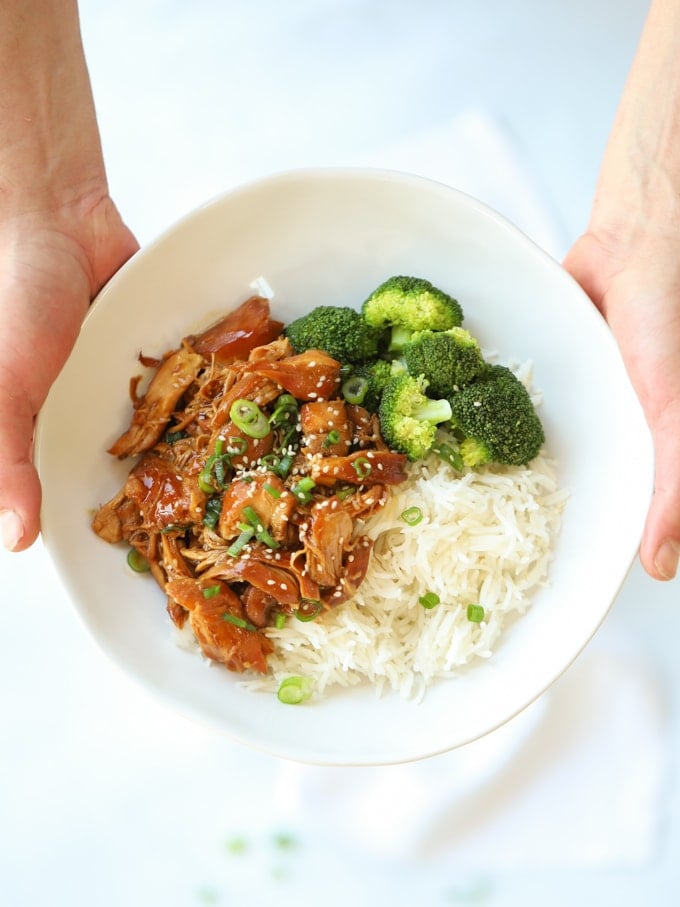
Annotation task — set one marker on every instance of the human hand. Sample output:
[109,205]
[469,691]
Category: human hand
[52,263]
[633,277]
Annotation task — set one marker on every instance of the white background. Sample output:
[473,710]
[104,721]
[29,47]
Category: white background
[108,798]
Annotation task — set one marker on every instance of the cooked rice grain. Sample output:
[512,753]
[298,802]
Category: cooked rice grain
[486,538]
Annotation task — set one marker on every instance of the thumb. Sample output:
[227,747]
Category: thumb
[660,547]
[19,484]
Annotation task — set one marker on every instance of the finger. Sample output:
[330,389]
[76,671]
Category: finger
[19,484]
[660,547]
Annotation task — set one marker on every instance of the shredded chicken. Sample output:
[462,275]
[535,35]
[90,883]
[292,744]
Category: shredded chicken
[252,481]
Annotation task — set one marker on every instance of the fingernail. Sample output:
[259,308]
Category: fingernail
[666,561]
[11,529]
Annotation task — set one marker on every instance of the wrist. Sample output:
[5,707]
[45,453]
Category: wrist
[50,152]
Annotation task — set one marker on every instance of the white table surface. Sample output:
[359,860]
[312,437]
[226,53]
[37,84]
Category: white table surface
[108,798]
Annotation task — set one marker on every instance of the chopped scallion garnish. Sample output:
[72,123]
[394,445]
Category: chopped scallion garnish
[475,613]
[248,416]
[308,610]
[213,509]
[285,411]
[137,562]
[302,490]
[354,389]
[412,515]
[429,600]
[172,436]
[450,455]
[238,622]
[332,437]
[362,467]
[211,591]
[294,690]
[237,546]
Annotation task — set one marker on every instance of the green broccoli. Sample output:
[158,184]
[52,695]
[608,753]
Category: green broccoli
[340,331]
[497,420]
[410,304]
[408,418]
[447,359]
[366,383]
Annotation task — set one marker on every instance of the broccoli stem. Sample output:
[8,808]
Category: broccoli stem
[399,337]
[433,411]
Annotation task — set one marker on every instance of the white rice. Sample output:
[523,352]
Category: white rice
[485,538]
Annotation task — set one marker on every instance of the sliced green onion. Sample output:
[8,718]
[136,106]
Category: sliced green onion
[475,613]
[237,546]
[213,509]
[264,536]
[238,621]
[285,464]
[248,416]
[280,620]
[332,438]
[302,490]
[271,491]
[429,600]
[216,463]
[294,690]
[412,515]
[286,407]
[251,516]
[236,445]
[212,591]
[205,482]
[354,389]
[253,520]
[172,436]
[343,493]
[362,467]
[137,562]
[450,455]
[308,610]
[175,527]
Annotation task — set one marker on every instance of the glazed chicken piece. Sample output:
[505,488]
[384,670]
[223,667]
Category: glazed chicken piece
[372,467]
[325,540]
[152,412]
[312,375]
[234,336]
[258,388]
[356,565]
[268,497]
[163,496]
[321,418]
[212,606]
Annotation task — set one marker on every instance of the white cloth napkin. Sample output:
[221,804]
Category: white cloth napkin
[573,782]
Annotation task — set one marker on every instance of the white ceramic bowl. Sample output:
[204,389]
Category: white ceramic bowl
[331,236]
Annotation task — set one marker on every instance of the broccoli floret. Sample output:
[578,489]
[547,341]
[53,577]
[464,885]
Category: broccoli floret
[447,359]
[409,304]
[408,418]
[340,331]
[497,420]
[366,383]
